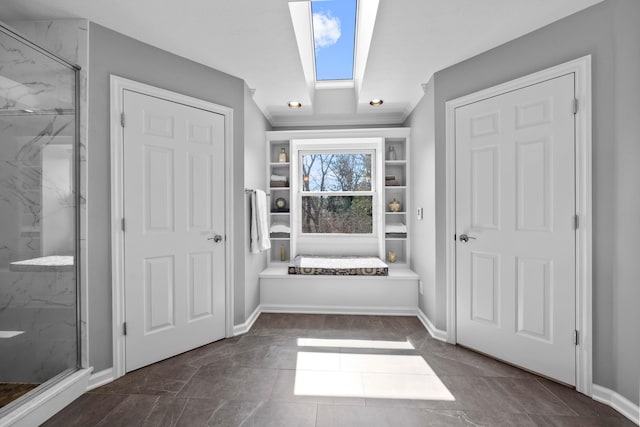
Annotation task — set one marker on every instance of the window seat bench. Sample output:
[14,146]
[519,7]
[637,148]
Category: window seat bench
[394,294]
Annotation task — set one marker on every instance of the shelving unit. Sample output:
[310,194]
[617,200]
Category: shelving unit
[396,293]
[398,138]
[397,168]
[280,242]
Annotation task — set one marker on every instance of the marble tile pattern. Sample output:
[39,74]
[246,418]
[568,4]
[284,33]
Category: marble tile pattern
[42,304]
[69,39]
[250,380]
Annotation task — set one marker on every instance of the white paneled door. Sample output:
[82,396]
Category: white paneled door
[515,210]
[174,238]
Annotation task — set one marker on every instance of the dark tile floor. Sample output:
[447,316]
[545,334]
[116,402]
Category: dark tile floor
[265,378]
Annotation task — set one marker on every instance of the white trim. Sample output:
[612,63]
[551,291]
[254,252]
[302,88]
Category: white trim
[39,408]
[245,327]
[99,379]
[363,119]
[334,84]
[301,20]
[369,145]
[617,402]
[118,85]
[397,132]
[582,69]
[435,333]
[332,309]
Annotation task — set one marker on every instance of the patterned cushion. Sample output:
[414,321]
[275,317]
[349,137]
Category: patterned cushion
[338,266]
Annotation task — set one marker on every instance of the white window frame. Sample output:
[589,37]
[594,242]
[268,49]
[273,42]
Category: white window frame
[373,192]
[322,242]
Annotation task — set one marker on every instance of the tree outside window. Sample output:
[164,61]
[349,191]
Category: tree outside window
[337,193]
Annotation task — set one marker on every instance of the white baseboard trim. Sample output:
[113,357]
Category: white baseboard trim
[435,333]
[617,402]
[245,327]
[318,309]
[49,402]
[100,378]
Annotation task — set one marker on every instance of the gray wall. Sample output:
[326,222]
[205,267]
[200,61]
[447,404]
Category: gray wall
[114,53]
[626,275]
[609,32]
[255,173]
[423,232]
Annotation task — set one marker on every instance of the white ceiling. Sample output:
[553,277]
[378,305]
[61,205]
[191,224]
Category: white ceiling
[254,40]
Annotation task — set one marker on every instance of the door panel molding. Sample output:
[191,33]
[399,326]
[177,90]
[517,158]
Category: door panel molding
[156,125]
[581,67]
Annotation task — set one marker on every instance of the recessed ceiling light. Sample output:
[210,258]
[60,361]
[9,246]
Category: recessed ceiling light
[294,104]
[376,102]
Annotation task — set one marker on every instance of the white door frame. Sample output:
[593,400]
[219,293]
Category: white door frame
[582,69]
[118,86]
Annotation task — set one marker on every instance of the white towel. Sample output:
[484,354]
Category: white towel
[259,222]
[280,178]
[280,228]
[395,228]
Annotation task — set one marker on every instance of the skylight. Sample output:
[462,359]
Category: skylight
[334,35]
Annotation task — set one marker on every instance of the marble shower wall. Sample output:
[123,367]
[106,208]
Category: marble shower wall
[36,199]
[69,39]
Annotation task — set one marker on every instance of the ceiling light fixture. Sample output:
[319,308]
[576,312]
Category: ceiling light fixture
[294,104]
[376,102]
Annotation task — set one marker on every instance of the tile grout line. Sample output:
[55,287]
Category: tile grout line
[557,397]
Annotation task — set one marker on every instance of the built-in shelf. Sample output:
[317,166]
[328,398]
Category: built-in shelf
[399,169]
[275,167]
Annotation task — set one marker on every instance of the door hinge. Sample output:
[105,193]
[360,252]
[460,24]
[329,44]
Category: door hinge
[124,328]
[123,225]
[575,337]
[455,237]
[576,221]
[575,105]
[122,119]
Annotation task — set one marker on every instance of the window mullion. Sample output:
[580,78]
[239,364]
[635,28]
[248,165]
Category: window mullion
[336,193]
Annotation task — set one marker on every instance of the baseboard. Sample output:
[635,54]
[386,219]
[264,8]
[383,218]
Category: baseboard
[617,402]
[435,333]
[100,378]
[319,309]
[245,327]
[48,402]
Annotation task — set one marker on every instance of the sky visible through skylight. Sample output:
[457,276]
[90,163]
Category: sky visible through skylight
[334,24]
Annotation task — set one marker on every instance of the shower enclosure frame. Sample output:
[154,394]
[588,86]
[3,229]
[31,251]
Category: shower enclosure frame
[57,392]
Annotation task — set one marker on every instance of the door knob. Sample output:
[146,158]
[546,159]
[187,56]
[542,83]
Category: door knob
[464,238]
[217,238]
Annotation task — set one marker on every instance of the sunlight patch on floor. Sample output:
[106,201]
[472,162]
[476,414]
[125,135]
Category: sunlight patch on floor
[343,343]
[382,376]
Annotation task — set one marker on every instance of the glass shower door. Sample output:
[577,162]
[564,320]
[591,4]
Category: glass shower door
[38,218]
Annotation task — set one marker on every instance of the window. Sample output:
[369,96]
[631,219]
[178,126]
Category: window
[336,192]
[334,25]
